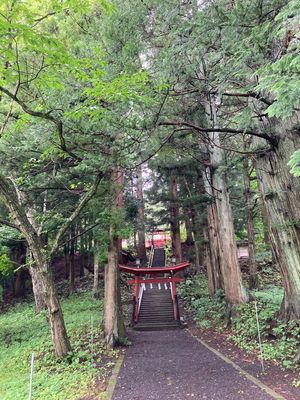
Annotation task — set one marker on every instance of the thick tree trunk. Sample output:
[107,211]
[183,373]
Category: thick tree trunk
[114,329]
[174,217]
[216,277]
[212,240]
[38,290]
[45,295]
[59,335]
[43,273]
[253,279]
[141,218]
[208,263]
[281,194]
[235,292]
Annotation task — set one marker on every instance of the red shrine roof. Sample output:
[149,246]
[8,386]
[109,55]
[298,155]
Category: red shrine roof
[155,270]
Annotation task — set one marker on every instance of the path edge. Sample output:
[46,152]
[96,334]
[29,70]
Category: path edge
[250,377]
[113,378]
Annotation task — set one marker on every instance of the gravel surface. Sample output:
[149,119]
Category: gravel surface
[174,365]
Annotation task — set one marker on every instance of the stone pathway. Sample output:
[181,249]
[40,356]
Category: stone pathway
[165,365]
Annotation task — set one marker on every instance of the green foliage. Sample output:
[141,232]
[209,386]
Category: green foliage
[294,163]
[6,266]
[280,339]
[206,311]
[23,332]
[6,271]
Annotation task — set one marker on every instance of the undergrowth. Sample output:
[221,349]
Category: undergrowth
[22,332]
[280,339]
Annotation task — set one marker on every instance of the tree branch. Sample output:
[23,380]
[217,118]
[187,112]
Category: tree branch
[37,20]
[10,224]
[87,197]
[270,139]
[81,233]
[257,96]
[47,116]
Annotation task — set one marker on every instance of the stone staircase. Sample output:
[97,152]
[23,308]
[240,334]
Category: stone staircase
[159,257]
[156,310]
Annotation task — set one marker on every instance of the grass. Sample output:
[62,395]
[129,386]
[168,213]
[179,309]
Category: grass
[22,332]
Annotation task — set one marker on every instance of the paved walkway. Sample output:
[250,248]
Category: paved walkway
[165,365]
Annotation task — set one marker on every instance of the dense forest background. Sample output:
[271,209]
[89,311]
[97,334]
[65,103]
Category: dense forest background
[119,118]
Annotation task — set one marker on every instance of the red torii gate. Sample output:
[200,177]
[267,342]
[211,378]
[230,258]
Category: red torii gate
[139,279]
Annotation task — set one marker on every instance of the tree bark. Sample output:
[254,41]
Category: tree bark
[281,192]
[38,290]
[114,329]
[58,330]
[216,280]
[174,218]
[253,278]
[141,217]
[235,292]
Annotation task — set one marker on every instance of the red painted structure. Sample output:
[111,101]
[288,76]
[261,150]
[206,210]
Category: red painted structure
[158,239]
[140,279]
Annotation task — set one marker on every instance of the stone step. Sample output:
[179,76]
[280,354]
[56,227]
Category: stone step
[142,326]
[156,320]
[164,313]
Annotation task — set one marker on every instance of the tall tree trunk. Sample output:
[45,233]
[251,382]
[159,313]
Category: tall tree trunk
[141,217]
[235,292]
[217,280]
[281,193]
[212,242]
[59,335]
[208,263]
[38,290]
[253,279]
[174,217]
[44,276]
[114,329]
[37,284]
